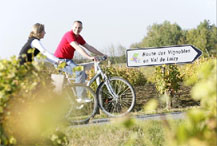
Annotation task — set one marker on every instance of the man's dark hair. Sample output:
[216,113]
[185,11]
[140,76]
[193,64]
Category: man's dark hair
[78,21]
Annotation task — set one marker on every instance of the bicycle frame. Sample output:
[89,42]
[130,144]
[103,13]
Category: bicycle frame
[98,73]
[110,98]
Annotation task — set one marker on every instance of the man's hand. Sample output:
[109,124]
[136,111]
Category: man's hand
[105,56]
[100,58]
[92,58]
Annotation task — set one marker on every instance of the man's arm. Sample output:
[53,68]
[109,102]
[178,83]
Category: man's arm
[92,49]
[80,50]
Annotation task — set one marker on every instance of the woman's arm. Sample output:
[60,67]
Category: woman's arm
[37,44]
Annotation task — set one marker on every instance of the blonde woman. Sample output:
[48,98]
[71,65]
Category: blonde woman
[33,42]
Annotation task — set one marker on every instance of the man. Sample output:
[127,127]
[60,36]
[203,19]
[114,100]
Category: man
[72,41]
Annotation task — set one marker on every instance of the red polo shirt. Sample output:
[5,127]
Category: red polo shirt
[64,49]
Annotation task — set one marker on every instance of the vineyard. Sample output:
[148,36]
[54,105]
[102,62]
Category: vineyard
[22,87]
[31,112]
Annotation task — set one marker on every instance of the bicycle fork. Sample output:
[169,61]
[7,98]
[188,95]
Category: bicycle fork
[107,83]
[109,87]
[99,72]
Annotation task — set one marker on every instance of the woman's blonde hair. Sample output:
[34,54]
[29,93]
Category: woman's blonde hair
[37,29]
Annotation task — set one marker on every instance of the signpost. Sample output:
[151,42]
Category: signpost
[162,55]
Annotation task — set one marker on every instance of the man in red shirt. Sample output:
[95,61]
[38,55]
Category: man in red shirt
[72,41]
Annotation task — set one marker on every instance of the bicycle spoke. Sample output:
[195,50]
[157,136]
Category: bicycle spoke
[124,91]
[110,107]
[80,112]
[106,92]
[126,103]
[118,85]
[117,106]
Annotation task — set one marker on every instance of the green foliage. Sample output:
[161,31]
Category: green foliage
[190,71]
[161,35]
[118,59]
[151,106]
[152,135]
[203,37]
[61,65]
[20,85]
[134,76]
[59,139]
[166,34]
[200,125]
[167,80]
[121,132]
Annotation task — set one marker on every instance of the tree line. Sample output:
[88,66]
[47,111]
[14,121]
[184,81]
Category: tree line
[166,34]
[202,37]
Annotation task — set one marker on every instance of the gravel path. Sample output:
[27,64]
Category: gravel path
[173,115]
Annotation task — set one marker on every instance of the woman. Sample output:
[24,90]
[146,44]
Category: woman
[34,44]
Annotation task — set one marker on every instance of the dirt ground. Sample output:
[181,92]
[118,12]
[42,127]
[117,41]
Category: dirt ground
[181,100]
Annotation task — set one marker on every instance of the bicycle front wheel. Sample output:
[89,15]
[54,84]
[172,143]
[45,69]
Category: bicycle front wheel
[80,109]
[121,102]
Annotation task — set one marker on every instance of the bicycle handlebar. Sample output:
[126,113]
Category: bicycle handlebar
[98,58]
[101,58]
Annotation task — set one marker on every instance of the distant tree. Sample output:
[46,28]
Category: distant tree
[204,37]
[161,35]
[121,50]
[117,54]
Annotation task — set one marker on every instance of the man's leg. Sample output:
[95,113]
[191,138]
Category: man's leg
[80,77]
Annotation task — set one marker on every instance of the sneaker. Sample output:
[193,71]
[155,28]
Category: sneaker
[83,100]
[79,107]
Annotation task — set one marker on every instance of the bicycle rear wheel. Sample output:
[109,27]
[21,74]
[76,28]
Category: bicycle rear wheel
[80,112]
[125,101]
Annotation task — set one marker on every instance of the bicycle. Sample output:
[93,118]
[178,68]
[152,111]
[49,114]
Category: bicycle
[77,112]
[115,96]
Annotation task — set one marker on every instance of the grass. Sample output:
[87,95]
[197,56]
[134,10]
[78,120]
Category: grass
[120,132]
[129,132]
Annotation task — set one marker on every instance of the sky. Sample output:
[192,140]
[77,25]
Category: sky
[106,23]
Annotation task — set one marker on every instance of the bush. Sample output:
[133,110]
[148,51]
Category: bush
[200,125]
[23,89]
[134,76]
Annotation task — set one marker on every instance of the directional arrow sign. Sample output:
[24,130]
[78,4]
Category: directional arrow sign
[162,55]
